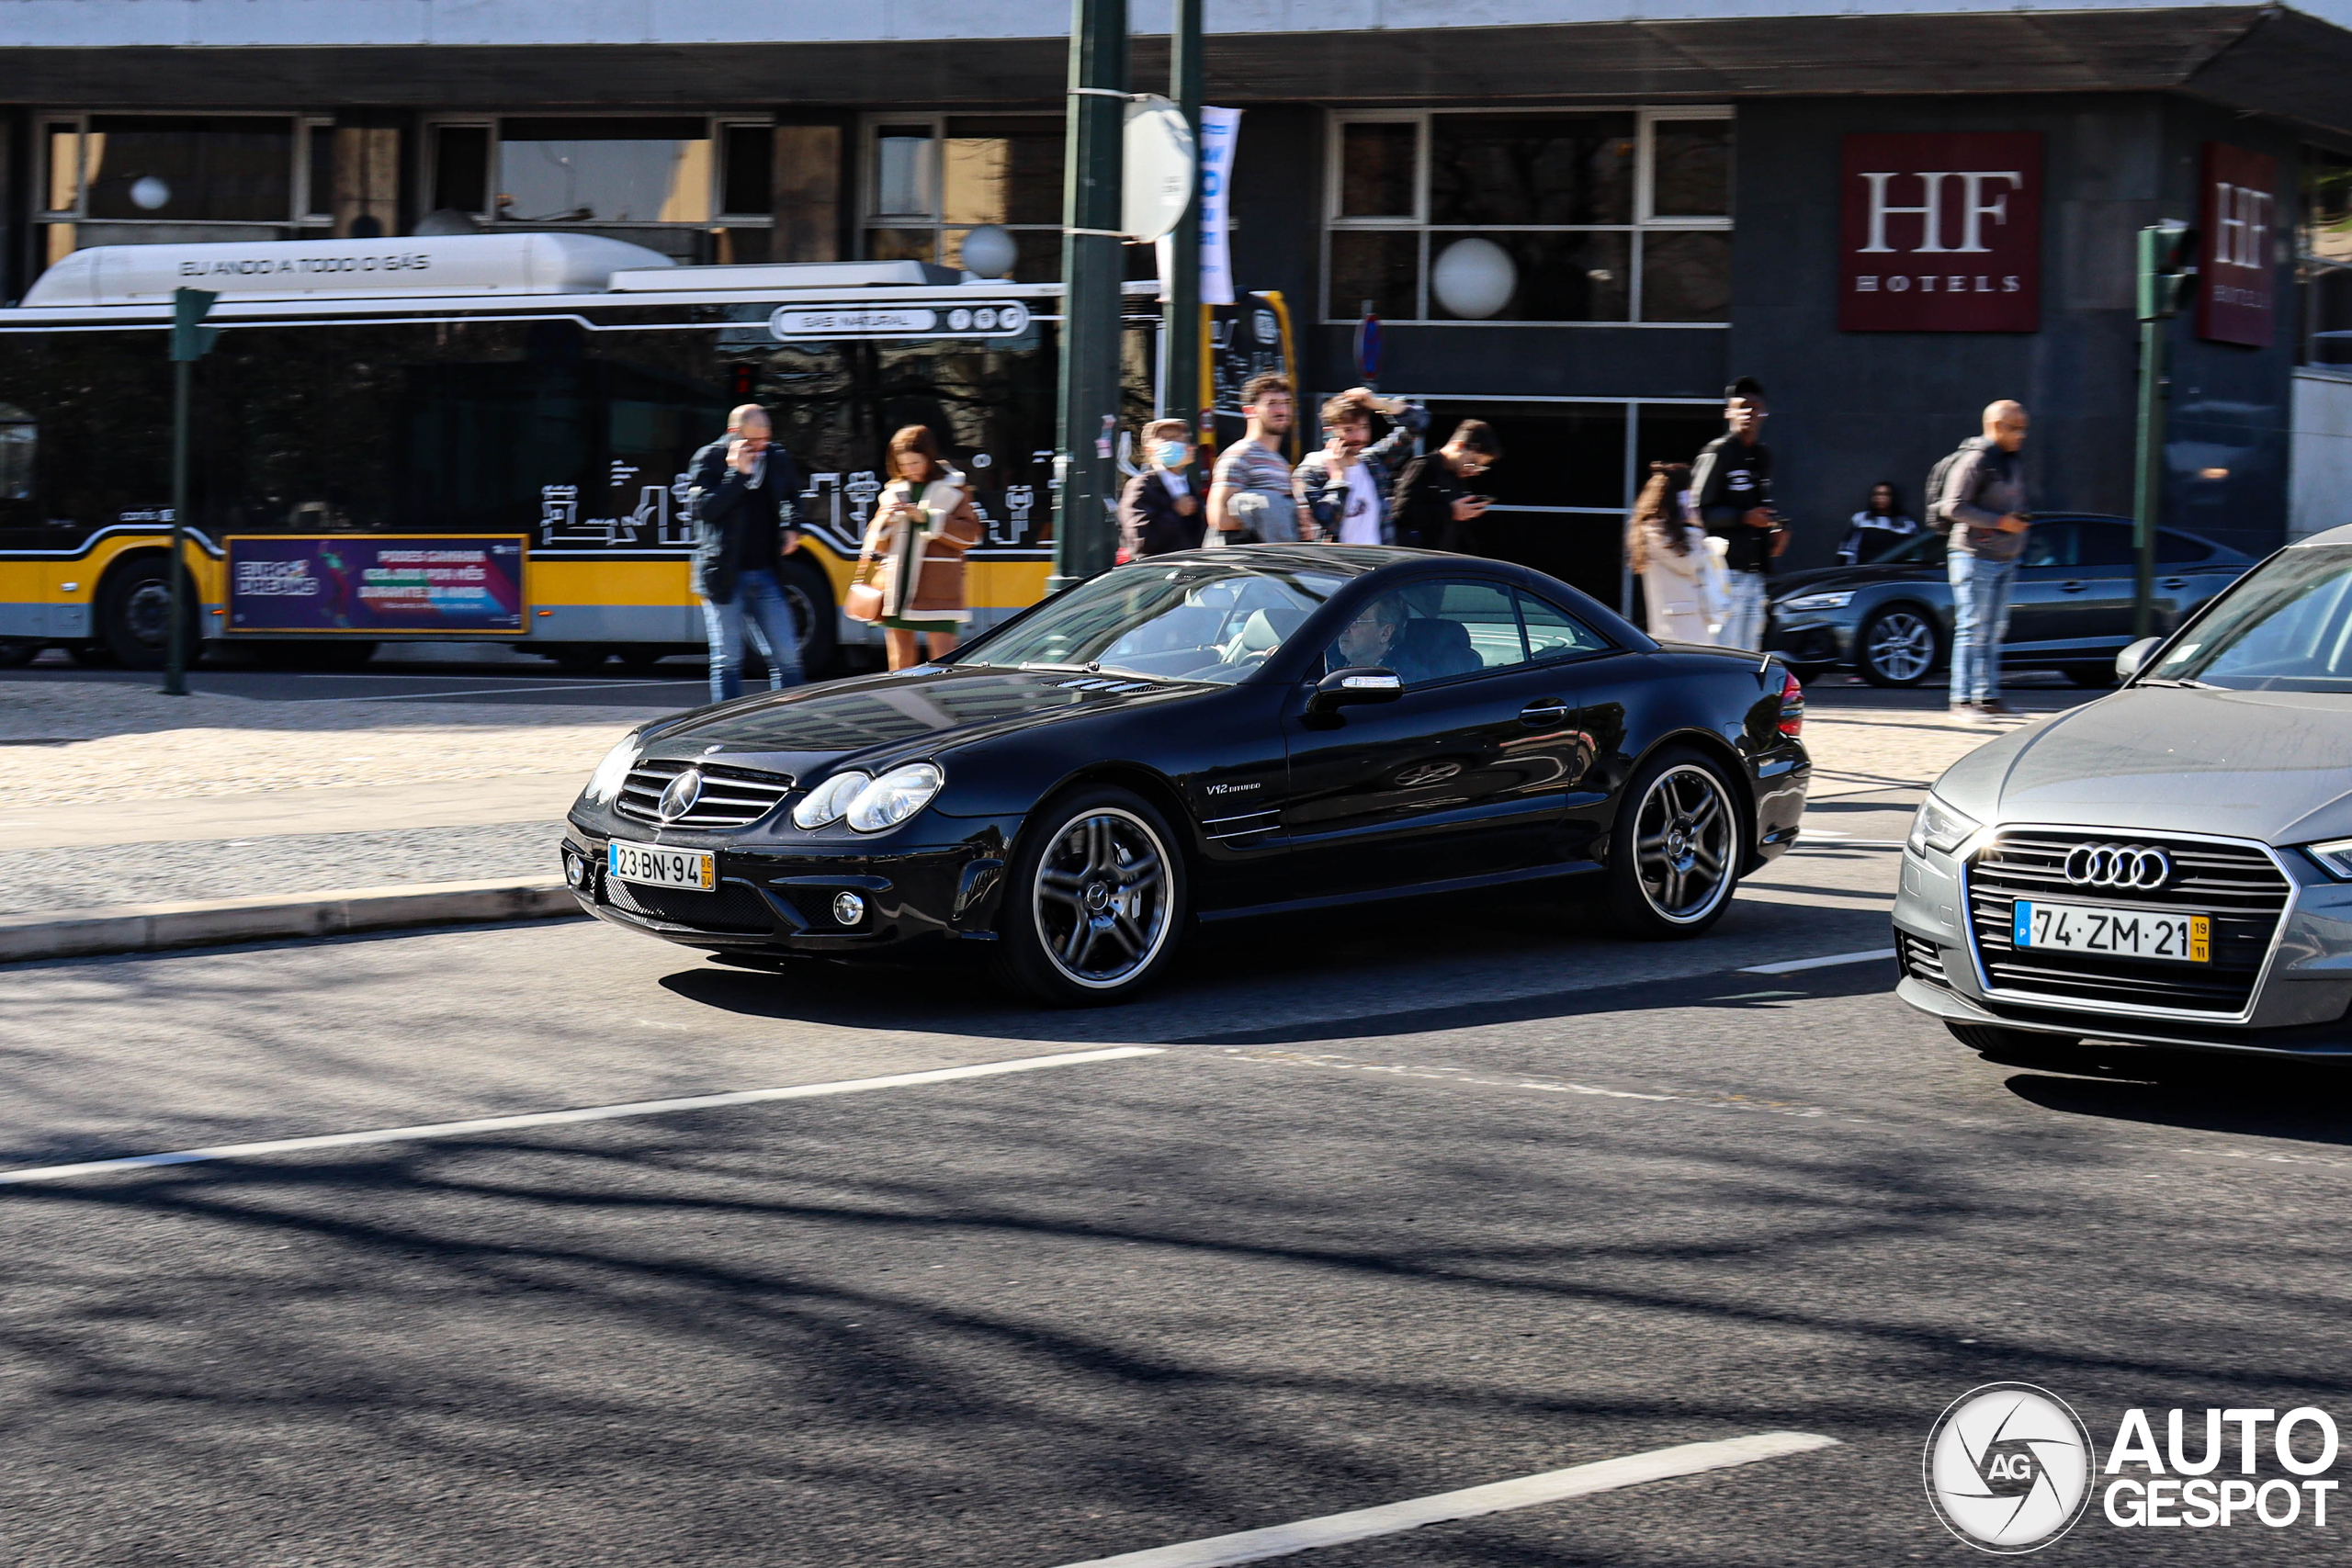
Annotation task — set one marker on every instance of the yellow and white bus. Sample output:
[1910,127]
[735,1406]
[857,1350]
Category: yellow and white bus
[484,436]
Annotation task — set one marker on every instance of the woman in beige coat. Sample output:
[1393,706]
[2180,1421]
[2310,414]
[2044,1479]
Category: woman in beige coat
[923,522]
[1668,552]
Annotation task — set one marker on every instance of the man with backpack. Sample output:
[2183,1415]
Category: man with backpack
[1977,496]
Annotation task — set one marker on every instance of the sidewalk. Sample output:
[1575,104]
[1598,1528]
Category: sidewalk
[118,797]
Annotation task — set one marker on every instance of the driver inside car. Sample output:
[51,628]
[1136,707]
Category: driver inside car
[1369,640]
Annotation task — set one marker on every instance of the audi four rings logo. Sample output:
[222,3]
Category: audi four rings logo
[2123,866]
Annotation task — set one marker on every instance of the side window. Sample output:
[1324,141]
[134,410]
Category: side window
[1432,631]
[1553,633]
[2172,550]
[2050,544]
[2105,545]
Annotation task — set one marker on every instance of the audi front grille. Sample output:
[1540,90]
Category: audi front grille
[730,797]
[2238,885]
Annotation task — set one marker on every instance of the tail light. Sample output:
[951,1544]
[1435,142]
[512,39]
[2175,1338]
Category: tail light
[1792,703]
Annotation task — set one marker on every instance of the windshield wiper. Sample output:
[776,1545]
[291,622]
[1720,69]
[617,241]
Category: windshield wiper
[2181,684]
[1063,669]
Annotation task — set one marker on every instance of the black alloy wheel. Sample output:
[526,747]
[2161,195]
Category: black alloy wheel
[1093,901]
[1675,852]
[135,614]
[1898,646]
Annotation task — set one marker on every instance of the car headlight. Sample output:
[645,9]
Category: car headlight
[1937,826]
[612,773]
[1836,601]
[829,802]
[2334,856]
[895,796]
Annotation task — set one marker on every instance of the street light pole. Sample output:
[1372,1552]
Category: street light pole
[1181,325]
[1091,272]
[2167,275]
[189,342]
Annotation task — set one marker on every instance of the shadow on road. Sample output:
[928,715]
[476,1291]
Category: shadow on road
[2302,1102]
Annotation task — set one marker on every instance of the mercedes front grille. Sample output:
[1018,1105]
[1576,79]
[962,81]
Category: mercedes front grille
[730,797]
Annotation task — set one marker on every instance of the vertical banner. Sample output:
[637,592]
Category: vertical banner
[1220,128]
[1940,233]
[2237,270]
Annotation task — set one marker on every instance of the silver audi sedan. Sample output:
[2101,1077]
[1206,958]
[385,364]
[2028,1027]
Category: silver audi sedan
[2169,865]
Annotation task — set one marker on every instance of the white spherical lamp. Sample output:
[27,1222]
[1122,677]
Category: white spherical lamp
[1474,279]
[148,193]
[989,251]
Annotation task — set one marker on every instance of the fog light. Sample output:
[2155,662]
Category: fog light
[848,908]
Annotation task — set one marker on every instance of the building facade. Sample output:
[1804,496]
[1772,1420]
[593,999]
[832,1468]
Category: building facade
[1576,219]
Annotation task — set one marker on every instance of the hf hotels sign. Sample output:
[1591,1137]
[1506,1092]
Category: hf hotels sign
[2238,293]
[1941,233]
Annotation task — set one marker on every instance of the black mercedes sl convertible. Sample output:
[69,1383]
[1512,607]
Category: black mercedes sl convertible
[1198,737]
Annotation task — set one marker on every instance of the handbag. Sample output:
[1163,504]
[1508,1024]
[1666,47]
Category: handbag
[863,602]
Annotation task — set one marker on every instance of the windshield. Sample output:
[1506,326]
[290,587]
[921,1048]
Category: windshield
[1198,621]
[2287,628]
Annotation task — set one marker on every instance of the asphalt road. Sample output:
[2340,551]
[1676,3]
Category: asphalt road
[1395,1206]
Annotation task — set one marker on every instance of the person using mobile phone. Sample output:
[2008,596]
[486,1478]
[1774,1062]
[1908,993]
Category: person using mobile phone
[1438,499]
[1984,505]
[1346,484]
[1732,482]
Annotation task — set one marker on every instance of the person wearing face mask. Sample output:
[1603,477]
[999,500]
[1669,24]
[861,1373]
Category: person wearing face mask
[1159,512]
[1345,484]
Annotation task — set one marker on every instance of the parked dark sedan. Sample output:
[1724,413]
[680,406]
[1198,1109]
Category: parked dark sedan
[1196,737]
[1890,620]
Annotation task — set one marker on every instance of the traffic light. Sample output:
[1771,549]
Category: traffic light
[190,341]
[2167,269]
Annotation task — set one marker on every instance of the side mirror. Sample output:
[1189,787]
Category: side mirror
[1358,684]
[2128,662]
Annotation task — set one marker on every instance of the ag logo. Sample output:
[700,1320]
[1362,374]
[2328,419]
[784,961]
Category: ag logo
[2008,1468]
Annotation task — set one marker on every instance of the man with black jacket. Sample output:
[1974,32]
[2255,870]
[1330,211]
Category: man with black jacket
[744,491]
[1732,486]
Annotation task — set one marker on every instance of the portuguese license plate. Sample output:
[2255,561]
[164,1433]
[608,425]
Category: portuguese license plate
[2121,933]
[658,867]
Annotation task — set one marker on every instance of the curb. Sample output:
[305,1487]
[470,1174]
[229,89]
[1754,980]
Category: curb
[147,927]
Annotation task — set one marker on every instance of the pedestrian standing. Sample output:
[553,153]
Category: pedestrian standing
[1252,500]
[1732,483]
[1983,502]
[1437,495]
[744,493]
[1667,551]
[923,522]
[1878,527]
[1345,484]
[1157,511]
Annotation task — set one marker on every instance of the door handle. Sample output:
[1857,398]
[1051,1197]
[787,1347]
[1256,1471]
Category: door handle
[2072,587]
[1544,710]
[2176,583]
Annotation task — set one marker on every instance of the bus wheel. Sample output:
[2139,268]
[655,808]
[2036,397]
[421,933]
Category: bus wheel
[811,598]
[135,614]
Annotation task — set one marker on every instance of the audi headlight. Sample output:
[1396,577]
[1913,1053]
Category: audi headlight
[612,773]
[829,801]
[1837,601]
[2334,856]
[895,796]
[1937,826]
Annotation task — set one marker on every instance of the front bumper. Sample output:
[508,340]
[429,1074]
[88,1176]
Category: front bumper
[778,897]
[2301,1005]
[1811,640]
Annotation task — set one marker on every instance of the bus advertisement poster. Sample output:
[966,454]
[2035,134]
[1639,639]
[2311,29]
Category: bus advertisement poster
[442,584]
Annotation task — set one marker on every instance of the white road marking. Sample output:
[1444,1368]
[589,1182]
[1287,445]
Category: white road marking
[1526,1492]
[497,690]
[1792,965]
[565,1118]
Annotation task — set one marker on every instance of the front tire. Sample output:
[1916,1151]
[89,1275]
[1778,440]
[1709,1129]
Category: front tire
[1897,646]
[1093,900]
[1674,855]
[135,614]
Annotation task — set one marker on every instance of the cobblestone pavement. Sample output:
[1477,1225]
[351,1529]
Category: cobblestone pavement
[107,747]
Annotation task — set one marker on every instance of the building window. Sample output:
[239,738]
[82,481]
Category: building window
[696,188]
[130,178]
[931,179]
[1518,217]
[2323,258]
